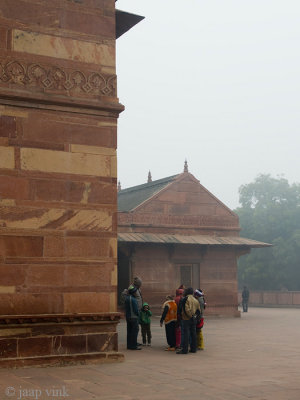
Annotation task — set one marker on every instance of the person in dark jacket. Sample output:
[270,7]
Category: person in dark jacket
[132,318]
[145,321]
[245,299]
[190,309]
[137,282]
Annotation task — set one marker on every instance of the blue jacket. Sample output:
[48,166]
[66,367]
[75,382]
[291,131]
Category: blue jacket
[131,308]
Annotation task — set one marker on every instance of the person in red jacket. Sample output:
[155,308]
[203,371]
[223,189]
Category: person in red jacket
[169,316]
[179,295]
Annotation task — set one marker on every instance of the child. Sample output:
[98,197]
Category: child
[145,321]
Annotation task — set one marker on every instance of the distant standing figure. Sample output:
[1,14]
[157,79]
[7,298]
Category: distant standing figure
[169,315]
[245,299]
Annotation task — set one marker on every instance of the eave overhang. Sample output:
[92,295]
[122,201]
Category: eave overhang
[203,240]
[125,21]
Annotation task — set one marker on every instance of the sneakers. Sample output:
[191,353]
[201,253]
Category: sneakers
[170,349]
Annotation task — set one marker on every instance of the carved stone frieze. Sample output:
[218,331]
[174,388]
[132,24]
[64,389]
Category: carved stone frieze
[56,80]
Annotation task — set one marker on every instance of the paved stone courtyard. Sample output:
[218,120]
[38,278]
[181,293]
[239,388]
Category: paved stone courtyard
[256,357]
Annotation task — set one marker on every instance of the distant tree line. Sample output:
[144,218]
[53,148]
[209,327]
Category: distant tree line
[270,212]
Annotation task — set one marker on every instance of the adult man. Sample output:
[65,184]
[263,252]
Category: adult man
[132,316]
[190,309]
[137,282]
[245,299]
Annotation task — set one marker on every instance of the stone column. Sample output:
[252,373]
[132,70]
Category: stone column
[58,174]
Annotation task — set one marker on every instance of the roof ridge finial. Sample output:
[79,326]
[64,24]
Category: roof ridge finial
[149,177]
[119,186]
[186,168]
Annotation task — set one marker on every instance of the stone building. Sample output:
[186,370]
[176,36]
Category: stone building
[173,231]
[58,196]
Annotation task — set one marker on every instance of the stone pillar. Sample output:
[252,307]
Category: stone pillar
[58,175]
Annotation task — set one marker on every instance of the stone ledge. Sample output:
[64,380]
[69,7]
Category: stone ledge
[62,360]
[58,318]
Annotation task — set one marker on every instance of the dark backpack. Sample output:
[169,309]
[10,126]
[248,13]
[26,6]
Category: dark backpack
[123,297]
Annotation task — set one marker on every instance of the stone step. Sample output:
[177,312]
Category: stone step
[62,360]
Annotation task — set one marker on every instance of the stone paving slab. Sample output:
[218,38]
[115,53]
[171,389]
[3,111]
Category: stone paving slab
[256,357]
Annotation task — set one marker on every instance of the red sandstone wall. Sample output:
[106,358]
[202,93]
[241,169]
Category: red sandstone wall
[58,127]
[158,266]
[184,207]
[152,264]
[186,197]
[218,276]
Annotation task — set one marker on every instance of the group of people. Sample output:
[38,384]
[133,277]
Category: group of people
[182,316]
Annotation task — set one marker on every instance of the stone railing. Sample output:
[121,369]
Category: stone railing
[273,299]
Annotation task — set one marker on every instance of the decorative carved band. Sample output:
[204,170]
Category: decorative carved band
[56,80]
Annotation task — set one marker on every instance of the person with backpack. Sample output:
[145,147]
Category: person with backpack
[137,282]
[132,318]
[190,309]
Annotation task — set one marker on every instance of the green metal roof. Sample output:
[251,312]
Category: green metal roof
[129,199]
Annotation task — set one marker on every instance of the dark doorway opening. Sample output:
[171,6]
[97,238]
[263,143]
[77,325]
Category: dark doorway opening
[186,275]
[123,273]
[190,275]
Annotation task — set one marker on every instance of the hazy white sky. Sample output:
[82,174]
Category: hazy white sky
[215,82]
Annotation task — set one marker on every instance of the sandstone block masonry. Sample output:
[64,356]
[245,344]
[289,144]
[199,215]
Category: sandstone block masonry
[58,170]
